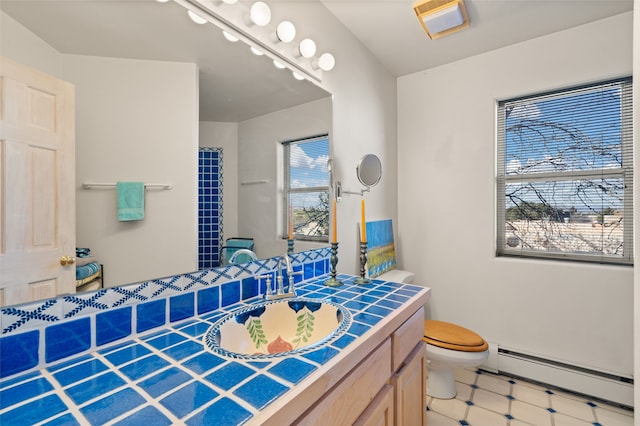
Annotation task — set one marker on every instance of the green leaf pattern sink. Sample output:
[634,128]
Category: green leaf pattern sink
[277,328]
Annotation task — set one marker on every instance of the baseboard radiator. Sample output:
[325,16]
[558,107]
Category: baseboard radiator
[597,384]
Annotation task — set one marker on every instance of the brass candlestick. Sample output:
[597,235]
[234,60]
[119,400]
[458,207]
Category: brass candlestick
[363,261]
[333,281]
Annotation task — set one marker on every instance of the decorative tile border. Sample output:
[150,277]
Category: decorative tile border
[88,317]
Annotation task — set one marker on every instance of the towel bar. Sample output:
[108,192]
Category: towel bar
[254,182]
[89,185]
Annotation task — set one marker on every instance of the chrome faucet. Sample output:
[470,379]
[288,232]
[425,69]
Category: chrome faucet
[280,273]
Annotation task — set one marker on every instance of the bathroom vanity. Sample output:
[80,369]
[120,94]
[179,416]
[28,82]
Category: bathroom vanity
[379,381]
[373,373]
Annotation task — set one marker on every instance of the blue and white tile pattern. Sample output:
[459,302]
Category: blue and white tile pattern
[29,338]
[167,376]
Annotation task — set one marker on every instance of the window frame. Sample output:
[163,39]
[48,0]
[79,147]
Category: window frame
[287,190]
[624,172]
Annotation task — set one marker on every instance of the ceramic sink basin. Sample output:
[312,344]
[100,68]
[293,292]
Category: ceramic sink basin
[277,328]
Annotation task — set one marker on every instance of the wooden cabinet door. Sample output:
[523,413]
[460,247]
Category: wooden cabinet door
[411,389]
[380,411]
[37,194]
[353,394]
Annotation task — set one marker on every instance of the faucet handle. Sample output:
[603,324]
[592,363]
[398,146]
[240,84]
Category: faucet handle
[292,280]
[268,292]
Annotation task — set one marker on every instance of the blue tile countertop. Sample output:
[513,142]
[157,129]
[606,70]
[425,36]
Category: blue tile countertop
[167,377]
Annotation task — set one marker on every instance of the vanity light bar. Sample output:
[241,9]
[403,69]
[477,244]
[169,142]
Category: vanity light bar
[205,11]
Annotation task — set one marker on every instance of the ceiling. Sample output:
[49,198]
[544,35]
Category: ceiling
[390,29]
[236,85]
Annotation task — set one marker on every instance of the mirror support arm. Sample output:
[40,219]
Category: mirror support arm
[340,191]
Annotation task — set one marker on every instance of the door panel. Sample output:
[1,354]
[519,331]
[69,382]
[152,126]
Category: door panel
[37,195]
[411,389]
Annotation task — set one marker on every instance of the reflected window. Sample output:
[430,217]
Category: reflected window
[306,189]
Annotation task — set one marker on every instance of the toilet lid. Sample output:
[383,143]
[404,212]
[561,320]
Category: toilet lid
[451,336]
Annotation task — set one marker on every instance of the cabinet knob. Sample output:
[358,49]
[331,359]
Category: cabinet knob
[67,260]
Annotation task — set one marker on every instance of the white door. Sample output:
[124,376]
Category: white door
[37,194]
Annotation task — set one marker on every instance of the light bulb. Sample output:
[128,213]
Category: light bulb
[196,18]
[286,31]
[256,51]
[297,76]
[230,1]
[260,13]
[307,48]
[326,62]
[278,64]
[230,37]
[162,1]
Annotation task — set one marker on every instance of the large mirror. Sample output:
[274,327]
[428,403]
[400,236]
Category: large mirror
[152,87]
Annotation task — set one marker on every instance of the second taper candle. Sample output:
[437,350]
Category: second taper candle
[363,233]
[335,222]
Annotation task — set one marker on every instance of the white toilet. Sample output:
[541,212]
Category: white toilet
[397,276]
[450,346]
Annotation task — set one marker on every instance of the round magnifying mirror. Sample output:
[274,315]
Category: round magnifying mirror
[369,170]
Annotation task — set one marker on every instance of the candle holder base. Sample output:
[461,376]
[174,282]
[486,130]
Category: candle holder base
[362,281]
[333,281]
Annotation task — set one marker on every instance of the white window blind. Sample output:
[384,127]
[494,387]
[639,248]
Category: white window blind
[306,188]
[564,174]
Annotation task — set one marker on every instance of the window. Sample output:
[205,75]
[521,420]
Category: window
[306,188]
[564,174]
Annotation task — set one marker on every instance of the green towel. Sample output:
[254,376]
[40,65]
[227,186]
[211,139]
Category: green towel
[130,201]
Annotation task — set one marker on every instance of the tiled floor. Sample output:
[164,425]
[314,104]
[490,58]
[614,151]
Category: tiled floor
[486,399]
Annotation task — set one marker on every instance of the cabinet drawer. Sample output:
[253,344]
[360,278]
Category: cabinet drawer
[350,397]
[405,338]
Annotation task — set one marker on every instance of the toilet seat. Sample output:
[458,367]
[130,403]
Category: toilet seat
[450,336]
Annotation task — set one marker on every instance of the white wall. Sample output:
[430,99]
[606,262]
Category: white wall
[364,111]
[260,157]
[573,312]
[136,121]
[225,136]
[21,45]
[364,120]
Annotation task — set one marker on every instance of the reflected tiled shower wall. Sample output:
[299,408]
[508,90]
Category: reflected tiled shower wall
[209,207]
